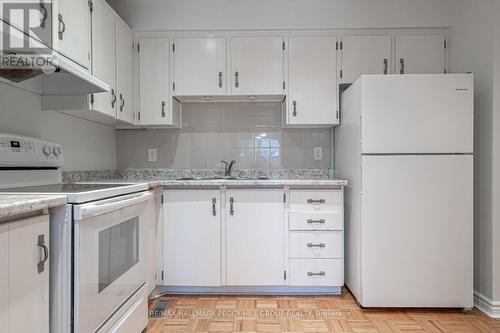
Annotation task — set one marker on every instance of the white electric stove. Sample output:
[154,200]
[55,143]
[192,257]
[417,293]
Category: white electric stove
[97,241]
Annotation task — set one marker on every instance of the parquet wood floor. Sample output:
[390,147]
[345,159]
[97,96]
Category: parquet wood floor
[308,314]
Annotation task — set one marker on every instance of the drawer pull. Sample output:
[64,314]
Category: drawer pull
[321,221]
[316,274]
[322,245]
[312,201]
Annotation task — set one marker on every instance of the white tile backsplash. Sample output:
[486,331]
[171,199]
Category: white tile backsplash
[249,133]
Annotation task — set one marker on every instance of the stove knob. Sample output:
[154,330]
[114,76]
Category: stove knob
[57,151]
[47,150]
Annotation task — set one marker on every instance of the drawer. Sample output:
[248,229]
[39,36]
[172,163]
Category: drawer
[321,245]
[316,221]
[316,200]
[317,272]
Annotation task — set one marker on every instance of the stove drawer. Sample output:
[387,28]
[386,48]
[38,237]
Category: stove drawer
[317,272]
[317,245]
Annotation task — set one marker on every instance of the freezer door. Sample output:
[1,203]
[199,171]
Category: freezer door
[417,114]
[417,231]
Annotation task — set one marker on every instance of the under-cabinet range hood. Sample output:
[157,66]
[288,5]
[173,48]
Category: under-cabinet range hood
[42,70]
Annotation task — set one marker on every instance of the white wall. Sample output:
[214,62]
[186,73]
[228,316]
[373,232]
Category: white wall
[475,47]
[282,14]
[86,145]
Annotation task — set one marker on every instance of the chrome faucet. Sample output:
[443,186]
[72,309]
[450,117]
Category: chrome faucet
[228,166]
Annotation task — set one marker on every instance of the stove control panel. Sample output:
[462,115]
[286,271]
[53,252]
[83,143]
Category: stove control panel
[20,151]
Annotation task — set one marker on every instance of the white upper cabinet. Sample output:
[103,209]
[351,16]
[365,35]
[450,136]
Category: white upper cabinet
[154,92]
[71,32]
[420,54]
[199,66]
[313,89]
[365,55]
[104,56]
[254,237]
[257,66]
[192,228]
[124,73]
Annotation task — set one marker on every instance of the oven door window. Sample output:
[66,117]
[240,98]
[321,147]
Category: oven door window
[118,251]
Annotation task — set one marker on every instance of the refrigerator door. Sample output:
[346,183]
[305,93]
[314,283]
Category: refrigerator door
[417,231]
[404,114]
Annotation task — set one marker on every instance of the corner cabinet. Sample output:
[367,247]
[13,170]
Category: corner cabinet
[24,278]
[256,65]
[312,81]
[254,237]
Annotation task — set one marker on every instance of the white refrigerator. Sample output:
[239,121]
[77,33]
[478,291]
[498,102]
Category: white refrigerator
[405,144]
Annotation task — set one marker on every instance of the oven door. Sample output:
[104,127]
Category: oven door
[109,257]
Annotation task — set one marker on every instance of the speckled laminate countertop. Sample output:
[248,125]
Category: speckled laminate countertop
[11,205]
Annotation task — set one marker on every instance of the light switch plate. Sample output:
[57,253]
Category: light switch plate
[318,153]
[152,155]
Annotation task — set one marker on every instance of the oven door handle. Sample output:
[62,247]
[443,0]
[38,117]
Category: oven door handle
[101,207]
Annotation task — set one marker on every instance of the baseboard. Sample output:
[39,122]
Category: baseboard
[262,290]
[486,305]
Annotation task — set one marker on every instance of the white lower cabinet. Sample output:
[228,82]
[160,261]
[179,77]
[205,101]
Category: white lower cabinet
[316,238]
[254,237]
[24,277]
[192,237]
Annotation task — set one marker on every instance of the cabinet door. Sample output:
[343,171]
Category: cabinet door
[365,55]
[257,66]
[192,239]
[4,277]
[71,32]
[254,237]
[124,73]
[154,93]
[200,66]
[313,87]
[420,54]
[28,286]
[104,55]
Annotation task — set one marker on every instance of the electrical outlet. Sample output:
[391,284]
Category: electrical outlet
[318,153]
[152,155]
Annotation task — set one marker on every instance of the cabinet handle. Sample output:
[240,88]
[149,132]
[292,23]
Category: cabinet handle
[312,201]
[231,206]
[62,26]
[41,243]
[402,62]
[294,108]
[316,274]
[123,103]
[214,210]
[386,66]
[113,100]
[322,245]
[321,221]
[236,79]
[220,79]
[163,109]
[43,9]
